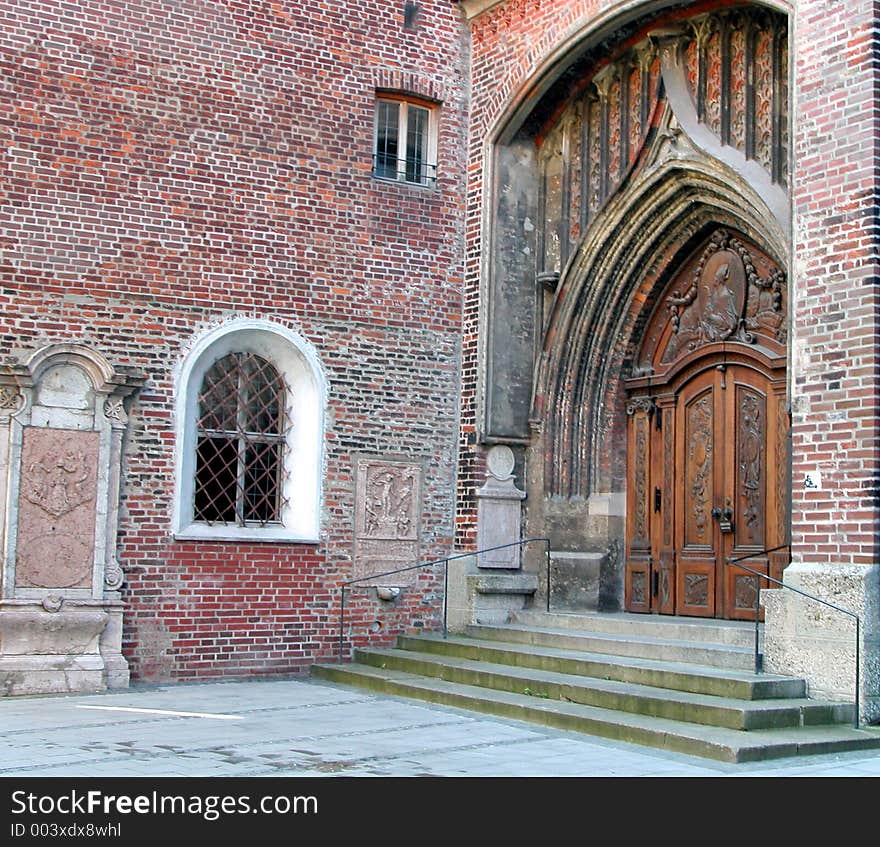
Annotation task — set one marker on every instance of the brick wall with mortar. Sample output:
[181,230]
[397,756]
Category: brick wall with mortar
[834,274]
[168,165]
[835,352]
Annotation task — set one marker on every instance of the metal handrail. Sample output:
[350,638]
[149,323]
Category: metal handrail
[759,663]
[445,561]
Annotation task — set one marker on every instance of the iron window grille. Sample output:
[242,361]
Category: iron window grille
[242,431]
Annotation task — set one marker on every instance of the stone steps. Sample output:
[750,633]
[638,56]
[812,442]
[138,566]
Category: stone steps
[711,710]
[633,646]
[691,678]
[657,683]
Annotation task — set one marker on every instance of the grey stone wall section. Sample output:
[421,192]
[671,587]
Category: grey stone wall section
[805,638]
[511,300]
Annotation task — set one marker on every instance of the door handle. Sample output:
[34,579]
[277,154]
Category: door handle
[724,517]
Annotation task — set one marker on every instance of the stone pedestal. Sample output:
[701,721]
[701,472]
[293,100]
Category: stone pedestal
[62,419]
[483,596]
[805,638]
[51,647]
[487,587]
[499,512]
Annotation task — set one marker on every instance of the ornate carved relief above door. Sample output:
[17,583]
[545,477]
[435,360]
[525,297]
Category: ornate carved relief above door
[707,450]
[733,67]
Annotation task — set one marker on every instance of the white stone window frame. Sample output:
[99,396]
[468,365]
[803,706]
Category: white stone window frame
[298,364]
[404,103]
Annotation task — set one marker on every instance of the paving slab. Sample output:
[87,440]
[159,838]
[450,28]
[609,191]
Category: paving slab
[308,727]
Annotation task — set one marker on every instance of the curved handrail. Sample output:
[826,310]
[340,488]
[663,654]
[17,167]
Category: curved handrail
[758,660]
[445,561]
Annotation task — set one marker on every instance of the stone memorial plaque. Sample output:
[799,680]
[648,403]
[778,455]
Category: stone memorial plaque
[387,506]
[56,508]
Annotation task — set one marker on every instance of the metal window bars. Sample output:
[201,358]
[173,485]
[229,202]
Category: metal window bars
[242,429]
[411,169]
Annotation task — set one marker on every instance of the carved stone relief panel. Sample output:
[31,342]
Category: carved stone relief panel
[56,514]
[387,508]
[62,422]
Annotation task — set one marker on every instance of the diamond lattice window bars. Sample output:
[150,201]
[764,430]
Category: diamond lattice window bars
[242,430]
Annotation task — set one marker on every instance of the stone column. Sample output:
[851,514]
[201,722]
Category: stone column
[60,460]
[499,511]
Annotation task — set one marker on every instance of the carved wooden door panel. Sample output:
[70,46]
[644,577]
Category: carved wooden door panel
[707,451]
[727,454]
[755,483]
[650,558]
[699,449]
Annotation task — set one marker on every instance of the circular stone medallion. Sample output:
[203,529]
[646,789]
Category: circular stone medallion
[500,461]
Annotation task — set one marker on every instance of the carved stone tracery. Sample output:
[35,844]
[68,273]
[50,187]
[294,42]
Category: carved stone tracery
[10,398]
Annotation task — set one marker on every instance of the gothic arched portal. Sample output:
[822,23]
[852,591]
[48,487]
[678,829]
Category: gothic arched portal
[655,151]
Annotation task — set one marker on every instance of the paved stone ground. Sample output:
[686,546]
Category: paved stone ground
[308,728]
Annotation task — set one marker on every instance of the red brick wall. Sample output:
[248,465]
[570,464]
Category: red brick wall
[169,165]
[835,417]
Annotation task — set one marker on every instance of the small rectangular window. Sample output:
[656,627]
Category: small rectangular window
[405,141]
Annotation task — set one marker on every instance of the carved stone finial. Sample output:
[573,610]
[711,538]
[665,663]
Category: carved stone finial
[605,79]
[644,54]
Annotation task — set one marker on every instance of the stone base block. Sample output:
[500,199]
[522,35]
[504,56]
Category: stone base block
[575,580]
[805,638]
[50,674]
[496,595]
[49,646]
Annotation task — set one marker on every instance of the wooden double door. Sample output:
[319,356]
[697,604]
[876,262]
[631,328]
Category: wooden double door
[707,482]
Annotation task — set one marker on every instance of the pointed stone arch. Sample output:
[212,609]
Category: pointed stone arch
[621,169]
[607,293]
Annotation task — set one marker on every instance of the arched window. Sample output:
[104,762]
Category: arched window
[250,436]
